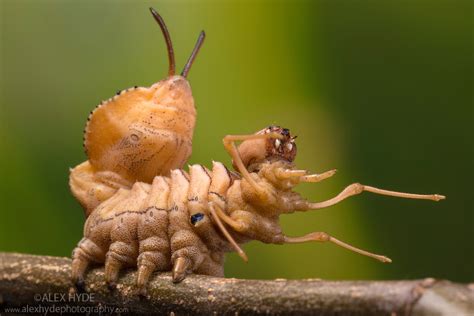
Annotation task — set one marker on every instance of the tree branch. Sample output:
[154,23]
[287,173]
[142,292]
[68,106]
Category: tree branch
[44,282]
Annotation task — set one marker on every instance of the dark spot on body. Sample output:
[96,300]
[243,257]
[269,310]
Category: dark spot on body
[196,218]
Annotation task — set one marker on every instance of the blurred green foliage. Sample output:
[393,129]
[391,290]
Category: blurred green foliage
[381,90]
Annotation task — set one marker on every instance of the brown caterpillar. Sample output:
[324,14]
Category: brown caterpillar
[146,211]
[137,134]
[187,222]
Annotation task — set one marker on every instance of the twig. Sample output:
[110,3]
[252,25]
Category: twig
[43,282]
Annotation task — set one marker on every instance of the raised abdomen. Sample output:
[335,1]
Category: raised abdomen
[143,132]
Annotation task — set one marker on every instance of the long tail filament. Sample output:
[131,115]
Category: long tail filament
[196,49]
[169,44]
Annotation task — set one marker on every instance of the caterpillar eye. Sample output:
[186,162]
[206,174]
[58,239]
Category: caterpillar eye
[196,218]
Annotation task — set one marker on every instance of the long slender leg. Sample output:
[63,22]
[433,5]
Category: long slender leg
[229,145]
[321,236]
[303,175]
[357,188]
[318,177]
[215,214]
[236,225]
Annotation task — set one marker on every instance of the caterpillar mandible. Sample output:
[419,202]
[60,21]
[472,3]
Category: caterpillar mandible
[187,222]
[138,134]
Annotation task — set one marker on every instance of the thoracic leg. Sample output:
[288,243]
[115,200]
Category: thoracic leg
[304,176]
[321,236]
[318,177]
[239,226]
[216,212]
[357,188]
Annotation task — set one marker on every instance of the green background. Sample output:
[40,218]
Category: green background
[380,90]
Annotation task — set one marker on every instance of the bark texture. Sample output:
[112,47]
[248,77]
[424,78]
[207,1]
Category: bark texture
[28,281]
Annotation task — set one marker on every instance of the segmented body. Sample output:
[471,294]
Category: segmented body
[151,225]
[187,222]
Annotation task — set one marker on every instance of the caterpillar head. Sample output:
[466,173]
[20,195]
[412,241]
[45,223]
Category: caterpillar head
[142,132]
[255,151]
